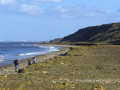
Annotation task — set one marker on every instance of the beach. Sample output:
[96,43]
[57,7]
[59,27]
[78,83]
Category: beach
[9,69]
[92,67]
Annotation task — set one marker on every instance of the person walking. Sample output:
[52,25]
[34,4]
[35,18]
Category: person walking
[29,62]
[34,60]
[16,63]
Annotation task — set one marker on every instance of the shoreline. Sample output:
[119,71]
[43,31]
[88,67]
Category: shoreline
[9,68]
[82,67]
[9,62]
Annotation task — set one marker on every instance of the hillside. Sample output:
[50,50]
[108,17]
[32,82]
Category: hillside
[102,33]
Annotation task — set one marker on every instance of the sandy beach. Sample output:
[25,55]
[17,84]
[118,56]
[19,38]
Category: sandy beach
[9,69]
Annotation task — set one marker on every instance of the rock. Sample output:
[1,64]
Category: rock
[45,72]
[99,88]
[21,71]
[3,76]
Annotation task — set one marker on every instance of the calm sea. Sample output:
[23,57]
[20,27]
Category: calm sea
[21,50]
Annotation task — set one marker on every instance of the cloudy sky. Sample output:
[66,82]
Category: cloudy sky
[40,20]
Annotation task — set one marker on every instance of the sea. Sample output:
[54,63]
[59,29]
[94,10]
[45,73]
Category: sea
[9,51]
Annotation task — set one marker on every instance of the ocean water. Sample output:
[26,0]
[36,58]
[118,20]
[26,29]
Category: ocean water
[10,51]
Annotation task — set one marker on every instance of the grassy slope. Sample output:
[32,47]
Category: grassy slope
[76,70]
[102,33]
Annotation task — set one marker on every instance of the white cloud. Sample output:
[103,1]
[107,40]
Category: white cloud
[51,0]
[7,6]
[30,9]
[80,12]
[34,7]
[40,1]
[6,2]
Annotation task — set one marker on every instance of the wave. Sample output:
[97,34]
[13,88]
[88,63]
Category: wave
[2,55]
[2,60]
[50,49]
[23,54]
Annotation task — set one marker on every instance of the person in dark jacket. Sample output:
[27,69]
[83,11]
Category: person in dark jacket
[16,63]
[29,61]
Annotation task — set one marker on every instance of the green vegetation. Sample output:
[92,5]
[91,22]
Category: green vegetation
[104,33]
[81,68]
[56,40]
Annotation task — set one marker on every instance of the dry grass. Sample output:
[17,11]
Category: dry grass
[82,68]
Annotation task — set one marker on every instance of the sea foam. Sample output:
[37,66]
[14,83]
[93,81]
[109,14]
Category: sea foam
[50,49]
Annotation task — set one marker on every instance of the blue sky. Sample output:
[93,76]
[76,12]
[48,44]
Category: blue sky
[41,20]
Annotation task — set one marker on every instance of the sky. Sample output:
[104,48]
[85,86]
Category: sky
[43,20]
